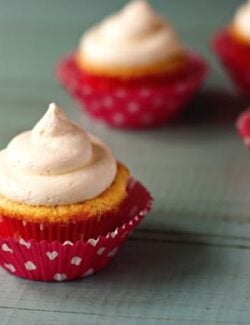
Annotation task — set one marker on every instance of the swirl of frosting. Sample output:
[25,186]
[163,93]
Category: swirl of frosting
[56,163]
[241,21]
[135,36]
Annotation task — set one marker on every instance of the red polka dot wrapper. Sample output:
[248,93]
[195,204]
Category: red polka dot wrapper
[235,57]
[88,227]
[56,261]
[243,127]
[133,103]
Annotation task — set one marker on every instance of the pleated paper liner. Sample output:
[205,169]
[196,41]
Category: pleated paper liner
[84,229]
[235,57]
[88,227]
[134,103]
[57,261]
[243,127]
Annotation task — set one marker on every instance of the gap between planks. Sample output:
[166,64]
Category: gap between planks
[230,241]
[131,317]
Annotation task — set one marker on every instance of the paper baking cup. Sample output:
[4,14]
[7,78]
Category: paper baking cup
[235,57]
[134,103]
[66,261]
[88,227]
[243,127]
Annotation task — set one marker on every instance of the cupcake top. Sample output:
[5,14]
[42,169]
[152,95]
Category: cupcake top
[56,163]
[241,21]
[135,36]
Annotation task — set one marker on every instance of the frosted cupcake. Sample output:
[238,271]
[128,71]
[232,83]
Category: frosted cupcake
[232,46]
[131,70]
[66,204]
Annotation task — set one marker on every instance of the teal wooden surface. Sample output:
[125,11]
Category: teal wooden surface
[189,261]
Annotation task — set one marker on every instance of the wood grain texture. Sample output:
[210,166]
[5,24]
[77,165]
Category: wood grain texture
[148,282]
[189,261]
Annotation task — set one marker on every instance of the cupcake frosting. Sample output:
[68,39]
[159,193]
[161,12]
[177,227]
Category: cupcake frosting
[56,163]
[241,21]
[135,36]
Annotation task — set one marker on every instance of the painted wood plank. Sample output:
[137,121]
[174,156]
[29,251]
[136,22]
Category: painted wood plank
[37,318]
[149,281]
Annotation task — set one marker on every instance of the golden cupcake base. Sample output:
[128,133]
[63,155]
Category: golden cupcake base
[157,68]
[108,201]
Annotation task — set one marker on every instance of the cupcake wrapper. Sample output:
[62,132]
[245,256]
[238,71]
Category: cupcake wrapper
[134,103]
[67,261]
[235,57]
[243,127]
[80,230]
[88,227]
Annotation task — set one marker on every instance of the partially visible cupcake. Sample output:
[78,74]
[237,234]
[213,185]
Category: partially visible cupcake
[134,42]
[232,46]
[131,70]
[243,127]
[60,184]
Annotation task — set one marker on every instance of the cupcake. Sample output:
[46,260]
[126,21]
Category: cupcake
[243,127]
[131,70]
[232,46]
[61,193]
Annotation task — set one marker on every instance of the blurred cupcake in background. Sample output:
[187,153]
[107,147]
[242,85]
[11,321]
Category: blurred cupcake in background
[66,203]
[131,70]
[243,127]
[232,46]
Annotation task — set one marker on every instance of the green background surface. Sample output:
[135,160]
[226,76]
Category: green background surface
[189,261]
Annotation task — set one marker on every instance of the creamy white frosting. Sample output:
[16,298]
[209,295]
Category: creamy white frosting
[56,163]
[135,36]
[241,21]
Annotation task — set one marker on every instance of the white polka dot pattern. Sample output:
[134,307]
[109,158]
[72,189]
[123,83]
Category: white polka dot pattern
[76,260]
[66,261]
[118,119]
[88,272]
[86,90]
[113,252]
[93,241]
[145,92]
[101,250]
[120,93]
[25,243]
[52,255]
[108,102]
[10,267]
[142,105]
[5,248]
[30,266]
[68,243]
[60,277]
[114,233]
[133,107]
